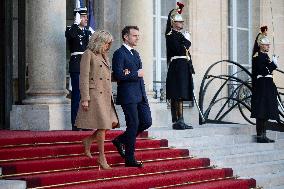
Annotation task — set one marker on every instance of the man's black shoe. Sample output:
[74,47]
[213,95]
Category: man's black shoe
[119,147]
[75,129]
[133,164]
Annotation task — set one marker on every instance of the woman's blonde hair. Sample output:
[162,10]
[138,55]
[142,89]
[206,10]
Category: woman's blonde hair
[98,40]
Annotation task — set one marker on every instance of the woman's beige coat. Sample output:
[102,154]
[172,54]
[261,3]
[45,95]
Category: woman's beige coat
[95,86]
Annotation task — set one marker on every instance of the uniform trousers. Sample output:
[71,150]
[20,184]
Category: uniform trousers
[75,97]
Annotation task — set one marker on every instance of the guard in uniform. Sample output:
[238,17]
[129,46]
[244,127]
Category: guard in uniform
[264,105]
[179,82]
[78,38]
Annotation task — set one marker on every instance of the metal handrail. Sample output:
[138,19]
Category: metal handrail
[236,95]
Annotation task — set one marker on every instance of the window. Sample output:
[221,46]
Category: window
[240,45]
[160,15]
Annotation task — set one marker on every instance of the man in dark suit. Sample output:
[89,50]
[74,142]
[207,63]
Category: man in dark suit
[131,95]
[78,38]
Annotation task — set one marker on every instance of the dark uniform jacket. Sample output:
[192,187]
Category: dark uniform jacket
[264,103]
[77,41]
[130,88]
[179,84]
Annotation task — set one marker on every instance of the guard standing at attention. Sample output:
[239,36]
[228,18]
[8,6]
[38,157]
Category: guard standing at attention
[179,82]
[264,104]
[78,38]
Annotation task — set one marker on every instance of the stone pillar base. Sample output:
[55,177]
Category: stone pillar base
[15,184]
[46,100]
[41,117]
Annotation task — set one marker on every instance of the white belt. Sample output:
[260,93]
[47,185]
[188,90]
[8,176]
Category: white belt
[259,76]
[177,57]
[76,53]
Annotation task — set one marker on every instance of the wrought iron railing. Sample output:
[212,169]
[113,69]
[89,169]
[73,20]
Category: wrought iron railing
[239,96]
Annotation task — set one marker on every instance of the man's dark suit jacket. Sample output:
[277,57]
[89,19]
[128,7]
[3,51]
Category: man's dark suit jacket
[130,88]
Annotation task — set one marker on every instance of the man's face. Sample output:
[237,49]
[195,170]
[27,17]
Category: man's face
[178,25]
[132,38]
[264,48]
[84,20]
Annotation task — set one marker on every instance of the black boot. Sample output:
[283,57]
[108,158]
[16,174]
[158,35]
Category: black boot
[266,138]
[178,126]
[263,139]
[174,110]
[180,116]
[261,132]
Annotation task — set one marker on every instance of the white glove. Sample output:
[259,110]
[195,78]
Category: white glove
[275,60]
[187,35]
[77,19]
[91,30]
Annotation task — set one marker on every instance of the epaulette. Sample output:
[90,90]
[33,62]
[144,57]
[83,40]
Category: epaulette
[255,55]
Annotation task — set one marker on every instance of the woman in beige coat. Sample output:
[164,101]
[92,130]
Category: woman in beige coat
[96,109]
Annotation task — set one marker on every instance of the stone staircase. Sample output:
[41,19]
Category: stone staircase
[232,145]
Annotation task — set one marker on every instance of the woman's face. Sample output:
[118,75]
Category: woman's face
[107,46]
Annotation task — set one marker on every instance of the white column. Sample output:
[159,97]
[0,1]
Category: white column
[46,54]
[46,106]
[140,13]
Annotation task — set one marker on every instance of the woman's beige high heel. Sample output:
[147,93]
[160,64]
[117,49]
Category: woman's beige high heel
[87,146]
[103,164]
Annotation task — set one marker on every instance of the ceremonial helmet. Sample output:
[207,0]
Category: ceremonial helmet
[263,40]
[79,9]
[175,14]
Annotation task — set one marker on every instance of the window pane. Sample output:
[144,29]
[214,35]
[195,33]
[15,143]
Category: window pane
[243,75]
[230,12]
[164,70]
[242,11]
[154,35]
[167,6]
[163,39]
[154,74]
[231,44]
[154,7]
[242,49]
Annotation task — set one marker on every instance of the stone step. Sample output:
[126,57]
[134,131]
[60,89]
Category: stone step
[249,158]
[279,144]
[275,135]
[210,141]
[13,184]
[233,146]
[213,151]
[277,187]
[249,170]
[269,180]
[202,130]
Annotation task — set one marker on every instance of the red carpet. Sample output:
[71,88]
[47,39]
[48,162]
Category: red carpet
[55,159]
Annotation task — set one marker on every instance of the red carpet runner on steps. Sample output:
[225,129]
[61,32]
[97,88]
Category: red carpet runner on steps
[55,159]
